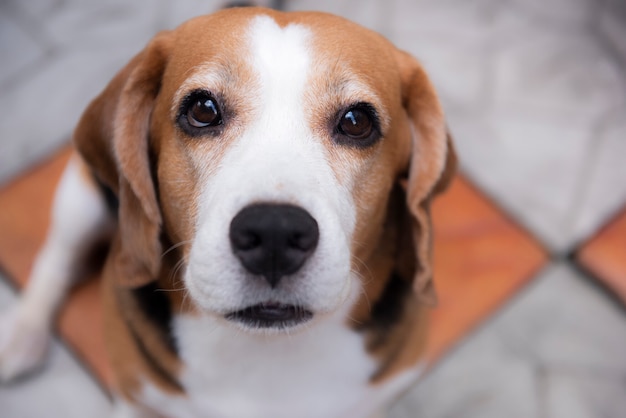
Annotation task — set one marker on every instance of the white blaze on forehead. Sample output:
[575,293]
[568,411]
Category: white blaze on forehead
[281,61]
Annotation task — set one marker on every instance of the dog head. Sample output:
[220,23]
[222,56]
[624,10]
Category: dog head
[268,148]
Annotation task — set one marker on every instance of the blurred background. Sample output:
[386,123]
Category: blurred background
[535,94]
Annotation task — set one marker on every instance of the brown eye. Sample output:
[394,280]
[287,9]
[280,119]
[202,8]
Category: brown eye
[356,123]
[203,112]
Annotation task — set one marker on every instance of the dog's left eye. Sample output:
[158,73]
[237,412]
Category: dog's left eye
[358,125]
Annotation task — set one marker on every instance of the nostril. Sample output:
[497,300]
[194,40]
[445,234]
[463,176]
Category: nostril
[303,241]
[245,240]
[273,240]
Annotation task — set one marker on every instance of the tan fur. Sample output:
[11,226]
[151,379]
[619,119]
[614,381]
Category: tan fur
[129,362]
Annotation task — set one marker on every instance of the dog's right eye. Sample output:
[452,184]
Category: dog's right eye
[199,110]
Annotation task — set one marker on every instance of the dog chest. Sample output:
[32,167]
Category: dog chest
[319,372]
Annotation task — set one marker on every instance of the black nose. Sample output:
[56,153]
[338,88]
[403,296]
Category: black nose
[273,240]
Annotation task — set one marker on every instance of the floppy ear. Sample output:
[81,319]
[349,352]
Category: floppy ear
[113,138]
[431,168]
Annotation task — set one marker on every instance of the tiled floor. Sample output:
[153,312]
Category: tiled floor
[62,389]
[603,255]
[556,351]
[535,93]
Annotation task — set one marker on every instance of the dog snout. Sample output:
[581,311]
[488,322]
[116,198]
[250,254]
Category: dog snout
[273,240]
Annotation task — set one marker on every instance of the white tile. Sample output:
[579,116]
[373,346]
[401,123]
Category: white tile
[530,165]
[175,12]
[459,74]
[369,13]
[523,100]
[99,24]
[603,192]
[480,379]
[577,13]
[93,40]
[61,389]
[574,395]
[613,25]
[459,23]
[36,9]
[525,93]
[18,50]
[41,112]
[567,77]
[366,12]
[562,321]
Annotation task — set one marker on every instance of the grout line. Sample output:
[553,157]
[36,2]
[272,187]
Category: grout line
[33,26]
[4,277]
[606,43]
[28,24]
[582,371]
[593,280]
[542,388]
[510,214]
[608,222]
[547,21]
[278,4]
[26,72]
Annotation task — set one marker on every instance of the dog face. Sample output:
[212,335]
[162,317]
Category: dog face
[266,147]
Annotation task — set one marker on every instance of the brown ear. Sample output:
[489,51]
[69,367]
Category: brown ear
[432,166]
[113,137]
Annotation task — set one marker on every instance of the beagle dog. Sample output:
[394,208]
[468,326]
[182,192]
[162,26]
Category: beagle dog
[265,181]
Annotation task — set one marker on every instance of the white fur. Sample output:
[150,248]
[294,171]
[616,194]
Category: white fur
[277,158]
[320,373]
[79,218]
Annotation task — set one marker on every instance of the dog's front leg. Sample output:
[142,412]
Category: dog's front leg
[80,218]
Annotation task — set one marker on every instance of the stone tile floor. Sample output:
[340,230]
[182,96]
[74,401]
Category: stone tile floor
[535,93]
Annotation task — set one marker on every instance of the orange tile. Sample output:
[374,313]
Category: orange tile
[605,255]
[481,258]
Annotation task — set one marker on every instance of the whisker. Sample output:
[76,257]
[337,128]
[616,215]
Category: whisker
[173,247]
[362,290]
[186,295]
[370,275]
[356,321]
[179,265]
[181,289]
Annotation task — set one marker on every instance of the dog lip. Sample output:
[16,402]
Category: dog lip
[271,315]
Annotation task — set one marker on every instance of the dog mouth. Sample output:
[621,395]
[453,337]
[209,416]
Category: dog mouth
[271,315]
